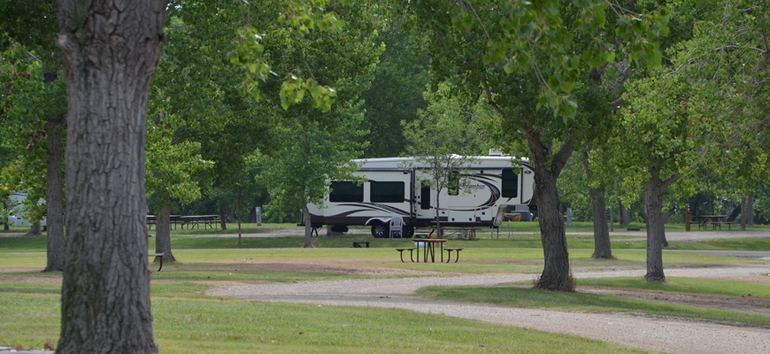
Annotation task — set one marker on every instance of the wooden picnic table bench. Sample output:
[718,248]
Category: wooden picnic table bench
[194,221]
[715,224]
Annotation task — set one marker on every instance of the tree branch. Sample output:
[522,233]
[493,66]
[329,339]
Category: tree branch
[669,181]
[624,70]
[490,101]
[764,190]
[481,23]
[562,156]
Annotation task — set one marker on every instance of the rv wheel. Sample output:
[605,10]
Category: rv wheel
[408,231]
[380,230]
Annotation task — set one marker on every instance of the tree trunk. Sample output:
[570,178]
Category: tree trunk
[163,228]
[750,210]
[624,219]
[238,216]
[556,273]
[663,221]
[34,229]
[743,213]
[55,196]
[602,247]
[308,228]
[653,204]
[109,53]
[225,216]
[612,219]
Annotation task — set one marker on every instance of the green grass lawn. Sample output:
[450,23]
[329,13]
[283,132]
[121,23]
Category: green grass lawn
[684,285]
[34,244]
[583,302]
[188,322]
[482,260]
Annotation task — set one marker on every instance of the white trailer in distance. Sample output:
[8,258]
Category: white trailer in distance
[394,186]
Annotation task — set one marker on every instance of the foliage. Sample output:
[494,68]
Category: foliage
[700,115]
[28,104]
[312,146]
[296,18]
[309,156]
[396,93]
[514,36]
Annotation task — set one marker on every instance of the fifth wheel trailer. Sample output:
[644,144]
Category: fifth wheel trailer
[395,186]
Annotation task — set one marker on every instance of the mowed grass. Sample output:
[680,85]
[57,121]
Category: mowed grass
[579,302]
[493,260]
[186,321]
[684,285]
[511,235]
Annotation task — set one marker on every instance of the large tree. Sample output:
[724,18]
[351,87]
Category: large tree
[532,61]
[698,114]
[109,52]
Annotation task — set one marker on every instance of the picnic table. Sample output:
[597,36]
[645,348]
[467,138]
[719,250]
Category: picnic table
[192,221]
[714,220]
[428,246]
[196,220]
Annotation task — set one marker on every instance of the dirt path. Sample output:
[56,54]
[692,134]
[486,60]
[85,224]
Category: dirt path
[649,332]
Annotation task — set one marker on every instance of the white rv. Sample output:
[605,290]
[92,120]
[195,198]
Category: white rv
[394,186]
[18,212]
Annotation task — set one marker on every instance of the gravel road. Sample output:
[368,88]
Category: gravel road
[649,332]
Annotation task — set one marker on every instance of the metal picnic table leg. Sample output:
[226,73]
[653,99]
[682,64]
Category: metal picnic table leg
[442,253]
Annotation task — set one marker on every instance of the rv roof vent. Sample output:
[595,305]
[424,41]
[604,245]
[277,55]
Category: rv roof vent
[495,152]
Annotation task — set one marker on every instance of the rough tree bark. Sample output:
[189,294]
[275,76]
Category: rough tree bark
[750,210]
[653,204]
[163,229]
[109,53]
[308,228]
[55,196]
[556,273]
[602,247]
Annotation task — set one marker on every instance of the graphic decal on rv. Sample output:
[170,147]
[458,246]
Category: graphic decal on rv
[362,207]
[495,192]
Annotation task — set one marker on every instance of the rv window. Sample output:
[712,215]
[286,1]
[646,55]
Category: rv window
[510,183]
[425,195]
[387,192]
[346,192]
[454,183]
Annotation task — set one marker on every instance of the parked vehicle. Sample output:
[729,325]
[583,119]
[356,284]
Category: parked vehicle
[18,212]
[394,186]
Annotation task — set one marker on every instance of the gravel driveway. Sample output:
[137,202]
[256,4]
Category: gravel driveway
[649,332]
